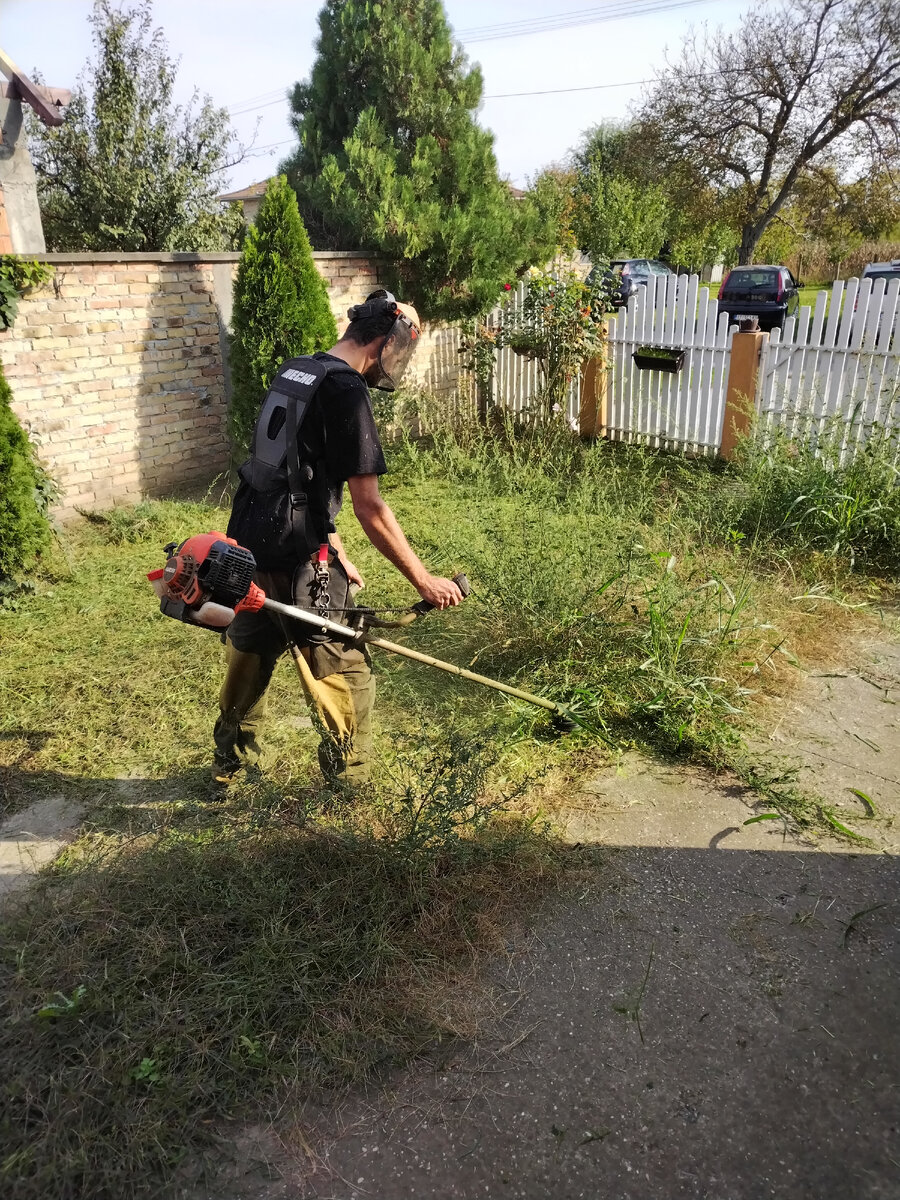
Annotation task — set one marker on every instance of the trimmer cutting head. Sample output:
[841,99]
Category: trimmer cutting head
[562,723]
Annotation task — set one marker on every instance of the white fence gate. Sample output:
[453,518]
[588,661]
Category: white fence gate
[681,410]
[843,367]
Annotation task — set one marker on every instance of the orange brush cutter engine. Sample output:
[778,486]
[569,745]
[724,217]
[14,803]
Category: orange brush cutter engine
[206,580]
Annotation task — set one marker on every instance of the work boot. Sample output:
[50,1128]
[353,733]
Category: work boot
[224,773]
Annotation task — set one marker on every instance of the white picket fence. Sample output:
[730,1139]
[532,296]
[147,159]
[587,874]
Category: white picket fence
[517,379]
[841,368]
[836,362]
[682,410]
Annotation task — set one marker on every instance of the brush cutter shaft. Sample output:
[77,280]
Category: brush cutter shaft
[310,618]
[355,635]
[463,673]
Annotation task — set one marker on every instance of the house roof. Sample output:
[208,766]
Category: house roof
[252,192]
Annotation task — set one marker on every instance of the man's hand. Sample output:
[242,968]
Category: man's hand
[352,574]
[442,593]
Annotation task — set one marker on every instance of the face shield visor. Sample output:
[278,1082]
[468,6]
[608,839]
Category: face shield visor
[396,351]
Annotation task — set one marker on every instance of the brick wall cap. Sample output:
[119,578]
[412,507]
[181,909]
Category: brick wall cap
[183,256]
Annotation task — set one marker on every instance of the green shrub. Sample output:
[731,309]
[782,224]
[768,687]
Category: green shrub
[18,275]
[24,493]
[281,307]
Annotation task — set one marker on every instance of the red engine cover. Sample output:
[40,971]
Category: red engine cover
[180,573]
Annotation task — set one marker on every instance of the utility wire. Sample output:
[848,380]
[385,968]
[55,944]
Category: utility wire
[591,87]
[615,10]
[255,99]
[281,98]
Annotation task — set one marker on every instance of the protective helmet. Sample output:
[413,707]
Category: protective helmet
[401,339]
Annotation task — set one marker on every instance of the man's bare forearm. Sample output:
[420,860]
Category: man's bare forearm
[383,531]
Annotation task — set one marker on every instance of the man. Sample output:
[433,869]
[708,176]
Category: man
[336,443]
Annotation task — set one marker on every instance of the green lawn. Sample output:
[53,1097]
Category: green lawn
[192,960]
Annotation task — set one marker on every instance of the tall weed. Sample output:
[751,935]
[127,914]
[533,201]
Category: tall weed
[809,493]
[630,581]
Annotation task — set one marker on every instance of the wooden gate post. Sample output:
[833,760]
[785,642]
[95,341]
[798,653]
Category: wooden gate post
[592,409]
[740,396]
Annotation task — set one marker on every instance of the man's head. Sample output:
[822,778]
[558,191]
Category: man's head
[389,331]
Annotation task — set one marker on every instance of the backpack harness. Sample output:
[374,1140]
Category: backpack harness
[274,474]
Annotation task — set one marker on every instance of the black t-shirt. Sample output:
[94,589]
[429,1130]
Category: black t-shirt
[339,436]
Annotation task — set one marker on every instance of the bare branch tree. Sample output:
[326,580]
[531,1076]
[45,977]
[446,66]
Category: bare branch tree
[798,85]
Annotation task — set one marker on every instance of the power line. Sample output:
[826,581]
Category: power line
[280,99]
[254,99]
[593,87]
[614,11]
[271,146]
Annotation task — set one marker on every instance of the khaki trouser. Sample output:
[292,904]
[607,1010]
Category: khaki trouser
[336,679]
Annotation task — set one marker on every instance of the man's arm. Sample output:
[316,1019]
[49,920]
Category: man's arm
[383,531]
[352,574]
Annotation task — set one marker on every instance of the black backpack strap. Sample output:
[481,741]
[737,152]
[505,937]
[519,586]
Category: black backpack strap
[297,408]
[311,373]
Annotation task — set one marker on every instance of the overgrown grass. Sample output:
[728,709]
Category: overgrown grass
[808,492]
[186,962]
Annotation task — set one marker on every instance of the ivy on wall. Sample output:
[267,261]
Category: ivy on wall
[17,276]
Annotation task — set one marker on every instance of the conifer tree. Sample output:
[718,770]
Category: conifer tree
[24,530]
[391,158]
[281,307]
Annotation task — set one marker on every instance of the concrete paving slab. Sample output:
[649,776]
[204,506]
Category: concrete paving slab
[717,1020]
[32,838]
[714,1027]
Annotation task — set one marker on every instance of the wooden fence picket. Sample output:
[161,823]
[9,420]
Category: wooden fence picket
[841,373]
[672,410]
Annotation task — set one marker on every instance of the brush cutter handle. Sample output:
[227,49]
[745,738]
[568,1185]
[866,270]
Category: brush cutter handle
[461,582]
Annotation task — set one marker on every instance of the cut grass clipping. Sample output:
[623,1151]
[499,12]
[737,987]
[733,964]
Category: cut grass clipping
[185,963]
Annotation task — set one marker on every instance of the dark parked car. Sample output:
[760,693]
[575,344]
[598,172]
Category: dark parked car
[621,279]
[886,271]
[770,293]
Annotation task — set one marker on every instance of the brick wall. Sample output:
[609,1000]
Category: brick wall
[118,368]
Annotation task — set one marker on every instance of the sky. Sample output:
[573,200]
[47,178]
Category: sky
[246,53]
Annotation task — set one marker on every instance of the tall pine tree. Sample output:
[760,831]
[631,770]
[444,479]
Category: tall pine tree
[391,158]
[281,307]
